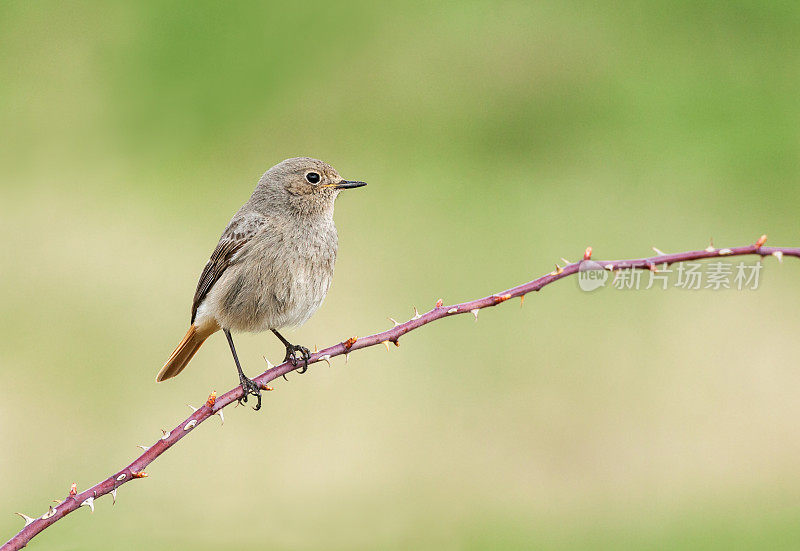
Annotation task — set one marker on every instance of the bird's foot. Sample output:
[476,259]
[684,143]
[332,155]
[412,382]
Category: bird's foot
[250,388]
[292,351]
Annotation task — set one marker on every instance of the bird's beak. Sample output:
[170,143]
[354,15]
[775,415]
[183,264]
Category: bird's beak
[348,184]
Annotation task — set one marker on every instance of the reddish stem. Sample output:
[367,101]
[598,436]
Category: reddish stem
[136,468]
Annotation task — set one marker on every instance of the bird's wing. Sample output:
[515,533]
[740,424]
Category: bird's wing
[238,233]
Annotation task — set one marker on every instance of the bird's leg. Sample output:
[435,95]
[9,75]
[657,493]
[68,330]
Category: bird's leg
[249,386]
[292,350]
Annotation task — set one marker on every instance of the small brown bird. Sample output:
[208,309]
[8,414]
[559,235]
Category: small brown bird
[273,264]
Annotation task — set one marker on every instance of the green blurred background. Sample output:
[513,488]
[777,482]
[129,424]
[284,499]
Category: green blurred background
[496,138]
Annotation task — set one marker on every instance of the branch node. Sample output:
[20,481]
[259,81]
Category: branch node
[453,310]
[724,252]
[587,254]
[439,303]
[211,398]
[73,490]
[190,424]
[761,241]
[348,344]
[140,474]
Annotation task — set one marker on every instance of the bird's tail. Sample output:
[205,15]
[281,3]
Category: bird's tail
[183,353]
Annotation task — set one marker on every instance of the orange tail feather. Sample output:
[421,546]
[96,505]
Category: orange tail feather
[183,353]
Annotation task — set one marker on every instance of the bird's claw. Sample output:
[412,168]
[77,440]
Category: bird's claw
[291,356]
[250,388]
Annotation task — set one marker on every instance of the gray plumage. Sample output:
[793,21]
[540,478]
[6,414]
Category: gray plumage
[274,262]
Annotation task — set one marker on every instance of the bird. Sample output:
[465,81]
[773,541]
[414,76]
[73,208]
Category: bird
[272,267]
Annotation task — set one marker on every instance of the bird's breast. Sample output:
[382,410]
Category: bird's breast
[280,280]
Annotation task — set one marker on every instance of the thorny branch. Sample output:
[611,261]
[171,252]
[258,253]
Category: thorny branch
[214,405]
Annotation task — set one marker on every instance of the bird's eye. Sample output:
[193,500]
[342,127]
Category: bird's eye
[313,177]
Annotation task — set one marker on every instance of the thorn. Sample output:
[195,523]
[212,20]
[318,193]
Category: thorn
[779,256]
[52,511]
[565,261]
[140,474]
[453,310]
[348,344]
[652,267]
[326,358]
[315,349]
[761,241]
[439,303]
[587,254]
[145,448]
[475,313]
[393,321]
[58,501]
[710,248]
[191,406]
[121,477]
[190,424]
[90,502]
[270,366]
[284,377]
[347,358]
[114,496]
[386,343]
[73,490]
[166,434]
[417,315]
[609,267]
[221,417]
[396,342]
[212,398]
[659,252]
[723,252]
[521,300]
[26,518]
[557,271]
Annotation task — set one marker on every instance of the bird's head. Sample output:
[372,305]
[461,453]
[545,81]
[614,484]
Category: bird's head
[306,185]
